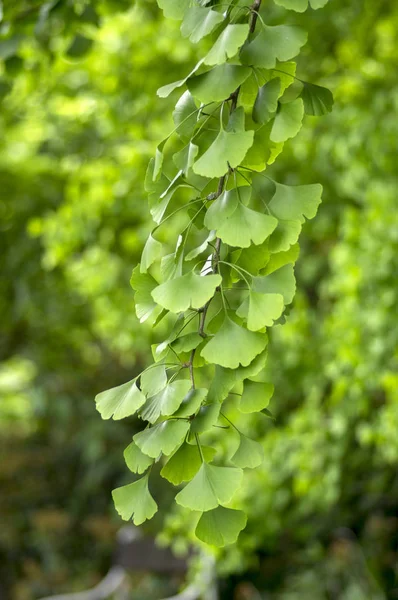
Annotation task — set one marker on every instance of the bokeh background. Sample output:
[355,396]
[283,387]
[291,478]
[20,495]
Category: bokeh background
[79,119]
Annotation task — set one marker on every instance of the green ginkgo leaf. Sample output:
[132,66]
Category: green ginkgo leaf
[228,44]
[301,5]
[185,158]
[233,345]
[121,401]
[185,463]
[137,461]
[261,310]
[288,121]
[266,101]
[245,226]
[281,42]
[296,202]
[143,284]
[187,291]
[280,259]
[166,401]
[174,9]
[135,501]
[210,487]
[249,454]
[317,100]
[153,379]
[206,418]
[166,90]
[285,235]
[218,83]
[187,342]
[202,248]
[256,396]
[220,526]
[162,438]
[225,205]
[281,281]
[152,252]
[191,402]
[228,150]
[200,21]
[185,115]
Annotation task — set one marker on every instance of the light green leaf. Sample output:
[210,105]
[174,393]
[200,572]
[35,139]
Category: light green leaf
[218,83]
[136,461]
[221,526]
[174,9]
[151,253]
[317,100]
[185,115]
[254,258]
[249,454]
[225,205]
[225,379]
[261,310]
[210,487]
[301,5]
[281,42]
[166,401]
[285,235]
[266,102]
[203,246]
[120,402]
[199,21]
[233,345]
[280,259]
[185,158]
[227,45]
[162,438]
[190,290]
[256,396]
[187,342]
[288,121]
[281,281]
[206,418]
[153,380]
[165,90]
[296,202]
[185,463]
[191,402]
[135,501]
[143,284]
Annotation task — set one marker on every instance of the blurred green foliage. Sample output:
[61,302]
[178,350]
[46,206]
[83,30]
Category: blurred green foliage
[78,127]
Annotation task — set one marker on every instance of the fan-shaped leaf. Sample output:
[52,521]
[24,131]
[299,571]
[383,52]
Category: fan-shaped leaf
[211,486]
[143,284]
[266,101]
[191,402]
[185,115]
[288,121]
[228,150]
[120,402]
[256,396]
[233,345]
[199,21]
[218,83]
[136,461]
[220,526]
[296,202]
[227,45]
[153,379]
[152,252]
[135,501]
[281,42]
[301,5]
[166,401]
[162,438]
[261,310]
[190,290]
[249,454]
[317,100]
[281,281]
[185,463]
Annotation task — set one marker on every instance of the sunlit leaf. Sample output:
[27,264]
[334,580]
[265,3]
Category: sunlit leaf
[153,380]
[199,21]
[166,401]
[143,284]
[210,487]
[174,9]
[185,463]
[135,501]
[152,252]
[162,438]
[256,396]
[296,202]
[190,290]
[301,5]
[218,83]
[281,281]
[288,120]
[249,454]
[185,115]
[228,44]
[121,401]
[261,310]
[191,402]
[220,526]
[281,42]
[233,345]
[136,461]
